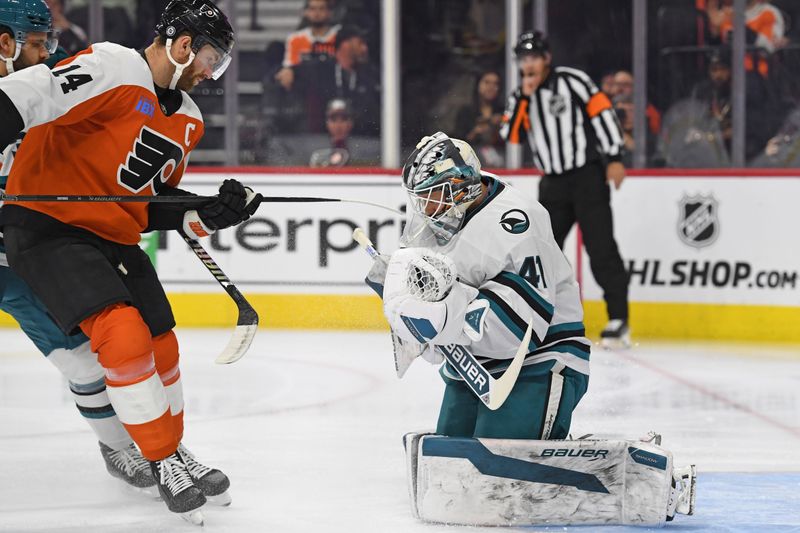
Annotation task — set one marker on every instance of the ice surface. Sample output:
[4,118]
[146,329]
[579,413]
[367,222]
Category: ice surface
[308,426]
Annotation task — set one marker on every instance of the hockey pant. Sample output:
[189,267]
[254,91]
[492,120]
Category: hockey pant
[539,407]
[142,377]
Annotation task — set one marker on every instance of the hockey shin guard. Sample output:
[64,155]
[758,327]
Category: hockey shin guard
[88,387]
[166,355]
[125,350]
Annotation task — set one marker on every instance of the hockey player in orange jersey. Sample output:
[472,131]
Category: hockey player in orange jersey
[27,39]
[115,121]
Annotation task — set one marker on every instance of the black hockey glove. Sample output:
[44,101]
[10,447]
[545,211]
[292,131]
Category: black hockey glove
[232,205]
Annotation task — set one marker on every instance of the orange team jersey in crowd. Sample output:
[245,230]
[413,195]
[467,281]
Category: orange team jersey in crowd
[95,127]
[765,21]
[302,43]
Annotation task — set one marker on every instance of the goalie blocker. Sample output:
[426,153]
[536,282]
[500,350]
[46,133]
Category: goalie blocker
[504,482]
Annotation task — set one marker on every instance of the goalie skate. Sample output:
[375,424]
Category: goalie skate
[616,335]
[211,481]
[177,488]
[684,492]
[128,465]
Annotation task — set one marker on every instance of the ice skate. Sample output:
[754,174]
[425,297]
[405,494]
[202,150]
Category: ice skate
[683,495]
[177,489]
[128,465]
[211,481]
[616,334]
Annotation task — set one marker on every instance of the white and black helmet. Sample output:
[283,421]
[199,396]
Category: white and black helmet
[442,177]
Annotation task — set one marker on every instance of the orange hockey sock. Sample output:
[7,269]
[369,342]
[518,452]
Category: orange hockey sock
[124,347]
[166,356]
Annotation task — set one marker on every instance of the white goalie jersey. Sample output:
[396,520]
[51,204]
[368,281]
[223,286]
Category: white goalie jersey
[505,249]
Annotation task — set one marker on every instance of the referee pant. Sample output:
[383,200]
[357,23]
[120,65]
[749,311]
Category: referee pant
[583,195]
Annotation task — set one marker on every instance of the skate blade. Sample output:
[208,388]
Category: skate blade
[687,478]
[149,492]
[220,500]
[194,517]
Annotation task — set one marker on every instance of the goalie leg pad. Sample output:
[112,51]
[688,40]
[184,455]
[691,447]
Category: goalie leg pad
[497,482]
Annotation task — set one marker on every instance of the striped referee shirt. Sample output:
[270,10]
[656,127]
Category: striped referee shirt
[556,117]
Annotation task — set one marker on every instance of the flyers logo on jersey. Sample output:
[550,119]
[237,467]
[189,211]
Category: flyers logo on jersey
[152,161]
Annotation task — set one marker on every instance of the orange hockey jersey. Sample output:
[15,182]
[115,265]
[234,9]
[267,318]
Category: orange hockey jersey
[95,127]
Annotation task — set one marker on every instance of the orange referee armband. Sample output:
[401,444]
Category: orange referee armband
[598,103]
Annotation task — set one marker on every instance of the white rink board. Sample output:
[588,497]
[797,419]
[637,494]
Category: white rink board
[755,243]
[291,247]
[306,247]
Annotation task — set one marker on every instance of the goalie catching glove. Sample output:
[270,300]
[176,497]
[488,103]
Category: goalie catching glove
[234,204]
[424,302]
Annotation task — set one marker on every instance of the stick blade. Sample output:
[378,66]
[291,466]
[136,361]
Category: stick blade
[238,344]
[501,388]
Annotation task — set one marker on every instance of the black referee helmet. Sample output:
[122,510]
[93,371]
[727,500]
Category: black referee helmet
[531,43]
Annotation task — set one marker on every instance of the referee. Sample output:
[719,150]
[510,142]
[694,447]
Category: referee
[576,141]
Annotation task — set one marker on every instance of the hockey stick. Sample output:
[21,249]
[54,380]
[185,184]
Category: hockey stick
[189,199]
[247,323]
[492,392]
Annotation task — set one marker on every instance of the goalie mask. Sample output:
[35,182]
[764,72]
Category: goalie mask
[442,177]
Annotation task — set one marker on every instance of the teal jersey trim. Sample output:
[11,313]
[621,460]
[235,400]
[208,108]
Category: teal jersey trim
[566,326]
[568,348]
[564,331]
[507,320]
[521,286]
[495,187]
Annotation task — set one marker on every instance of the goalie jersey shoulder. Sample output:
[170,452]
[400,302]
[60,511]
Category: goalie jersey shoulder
[508,223]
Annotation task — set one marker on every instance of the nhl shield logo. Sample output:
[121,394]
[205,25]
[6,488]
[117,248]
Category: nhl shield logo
[698,225]
[557,104]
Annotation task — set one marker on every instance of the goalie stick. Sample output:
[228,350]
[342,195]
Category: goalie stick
[247,323]
[492,392]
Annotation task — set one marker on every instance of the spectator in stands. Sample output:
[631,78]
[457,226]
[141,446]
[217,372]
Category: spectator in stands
[607,85]
[715,93]
[698,131]
[782,150]
[72,38]
[623,106]
[623,89]
[764,21]
[479,122]
[339,123]
[765,25]
[316,39]
[349,77]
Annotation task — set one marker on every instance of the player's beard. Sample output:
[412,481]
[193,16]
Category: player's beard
[22,63]
[188,77]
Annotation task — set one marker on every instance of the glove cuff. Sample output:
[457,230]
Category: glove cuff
[193,225]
